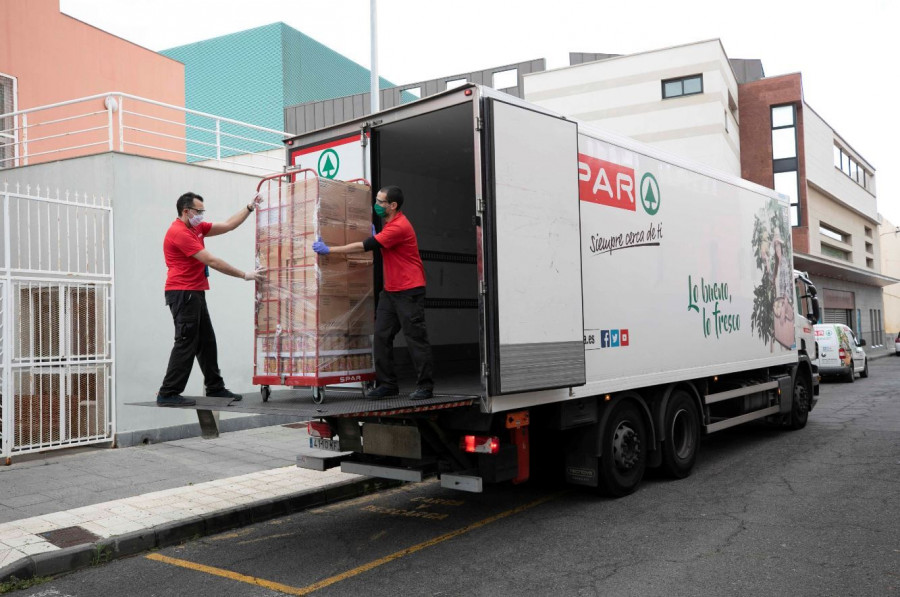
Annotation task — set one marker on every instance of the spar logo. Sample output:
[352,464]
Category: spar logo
[613,185]
[605,183]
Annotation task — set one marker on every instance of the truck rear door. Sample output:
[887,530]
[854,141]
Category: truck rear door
[532,254]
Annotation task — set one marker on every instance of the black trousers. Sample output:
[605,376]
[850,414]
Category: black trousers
[402,310]
[194,337]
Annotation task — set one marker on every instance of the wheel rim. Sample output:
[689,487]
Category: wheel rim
[626,446]
[801,396]
[682,433]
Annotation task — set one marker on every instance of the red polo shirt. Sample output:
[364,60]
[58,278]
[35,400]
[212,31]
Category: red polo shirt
[179,246]
[403,267]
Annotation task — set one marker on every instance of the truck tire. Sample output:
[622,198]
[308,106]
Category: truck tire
[624,455]
[682,435]
[800,401]
[851,375]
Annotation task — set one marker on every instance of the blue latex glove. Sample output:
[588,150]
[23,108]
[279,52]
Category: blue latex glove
[320,247]
[373,229]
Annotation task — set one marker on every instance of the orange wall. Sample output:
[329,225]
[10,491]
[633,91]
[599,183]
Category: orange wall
[57,58]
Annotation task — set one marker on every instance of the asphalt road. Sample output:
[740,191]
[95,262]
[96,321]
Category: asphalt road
[766,512]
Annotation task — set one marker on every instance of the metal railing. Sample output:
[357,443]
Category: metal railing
[117,121]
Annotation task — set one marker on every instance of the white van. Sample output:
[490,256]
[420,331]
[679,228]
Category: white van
[840,352]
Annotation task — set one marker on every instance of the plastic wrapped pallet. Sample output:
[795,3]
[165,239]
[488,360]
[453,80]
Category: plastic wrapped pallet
[314,313]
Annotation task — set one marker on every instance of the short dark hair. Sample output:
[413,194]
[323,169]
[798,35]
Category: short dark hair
[394,195]
[185,201]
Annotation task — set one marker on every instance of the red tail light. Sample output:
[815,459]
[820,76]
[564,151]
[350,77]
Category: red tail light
[479,444]
[319,429]
[842,353]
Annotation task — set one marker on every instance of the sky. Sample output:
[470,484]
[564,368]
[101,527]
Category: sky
[843,48]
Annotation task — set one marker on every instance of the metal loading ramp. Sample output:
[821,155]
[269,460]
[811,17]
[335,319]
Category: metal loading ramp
[299,404]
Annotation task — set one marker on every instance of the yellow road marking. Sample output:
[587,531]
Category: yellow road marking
[250,580]
[258,539]
[355,571]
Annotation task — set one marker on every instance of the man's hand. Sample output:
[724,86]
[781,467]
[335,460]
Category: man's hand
[257,275]
[320,247]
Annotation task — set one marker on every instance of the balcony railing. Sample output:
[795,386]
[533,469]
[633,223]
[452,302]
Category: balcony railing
[131,124]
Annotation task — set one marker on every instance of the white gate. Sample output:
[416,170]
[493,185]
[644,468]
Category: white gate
[57,306]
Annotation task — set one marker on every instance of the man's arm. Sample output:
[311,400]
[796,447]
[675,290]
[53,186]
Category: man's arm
[235,220]
[351,248]
[220,265]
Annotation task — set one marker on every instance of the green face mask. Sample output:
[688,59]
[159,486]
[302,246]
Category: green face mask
[379,211]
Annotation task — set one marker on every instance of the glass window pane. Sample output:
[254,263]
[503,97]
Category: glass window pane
[782,116]
[672,89]
[784,145]
[837,157]
[693,85]
[845,164]
[854,169]
[786,183]
[795,215]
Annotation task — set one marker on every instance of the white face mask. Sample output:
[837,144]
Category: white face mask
[196,220]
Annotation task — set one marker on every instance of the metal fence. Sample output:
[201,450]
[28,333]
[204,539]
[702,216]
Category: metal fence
[56,318]
[128,123]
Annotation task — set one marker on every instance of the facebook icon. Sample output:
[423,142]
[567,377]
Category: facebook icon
[604,339]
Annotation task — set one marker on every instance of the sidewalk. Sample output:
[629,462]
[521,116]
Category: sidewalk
[70,509]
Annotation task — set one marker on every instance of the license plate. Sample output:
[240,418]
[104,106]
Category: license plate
[323,443]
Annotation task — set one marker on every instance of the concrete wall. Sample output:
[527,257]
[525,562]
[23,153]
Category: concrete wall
[56,58]
[889,235]
[824,209]
[819,142]
[143,192]
[865,297]
[624,95]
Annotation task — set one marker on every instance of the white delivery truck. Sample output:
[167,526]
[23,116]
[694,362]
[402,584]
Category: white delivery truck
[594,305]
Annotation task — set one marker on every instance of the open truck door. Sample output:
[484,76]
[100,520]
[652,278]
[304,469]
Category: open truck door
[532,253]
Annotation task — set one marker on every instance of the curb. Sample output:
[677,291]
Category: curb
[69,559]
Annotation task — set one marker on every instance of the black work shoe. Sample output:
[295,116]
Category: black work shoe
[382,392]
[422,394]
[224,393]
[175,400]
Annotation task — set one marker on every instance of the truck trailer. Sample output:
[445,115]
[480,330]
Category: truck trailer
[594,305]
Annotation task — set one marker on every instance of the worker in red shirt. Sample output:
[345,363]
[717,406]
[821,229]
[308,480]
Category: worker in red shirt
[401,305]
[186,285]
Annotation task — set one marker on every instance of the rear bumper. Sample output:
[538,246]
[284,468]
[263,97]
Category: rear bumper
[833,370]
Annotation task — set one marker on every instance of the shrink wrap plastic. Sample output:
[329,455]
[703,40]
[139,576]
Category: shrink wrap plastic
[315,314]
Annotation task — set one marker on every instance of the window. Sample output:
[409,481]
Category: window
[410,95]
[830,232]
[454,83]
[506,79]
[784,156]
[868,232]
[7,124]
[691,85]
[870,248]
[851,167]
[870,263]
[835,252]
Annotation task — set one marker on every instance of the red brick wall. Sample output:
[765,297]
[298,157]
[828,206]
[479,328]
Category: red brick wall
[754,108]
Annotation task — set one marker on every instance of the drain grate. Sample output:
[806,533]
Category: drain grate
[70,536]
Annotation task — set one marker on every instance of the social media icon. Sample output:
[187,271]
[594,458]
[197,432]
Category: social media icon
[623,337]
[614,342]
[604,338]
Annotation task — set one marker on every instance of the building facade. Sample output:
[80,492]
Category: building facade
[787,146]
[47,57]
[681,99]
[252,75]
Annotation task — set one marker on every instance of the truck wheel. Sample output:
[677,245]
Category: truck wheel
[851,375]
[682,427]
[624,451]
[800,403]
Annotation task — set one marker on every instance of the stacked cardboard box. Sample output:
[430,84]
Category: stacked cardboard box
[314,313]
